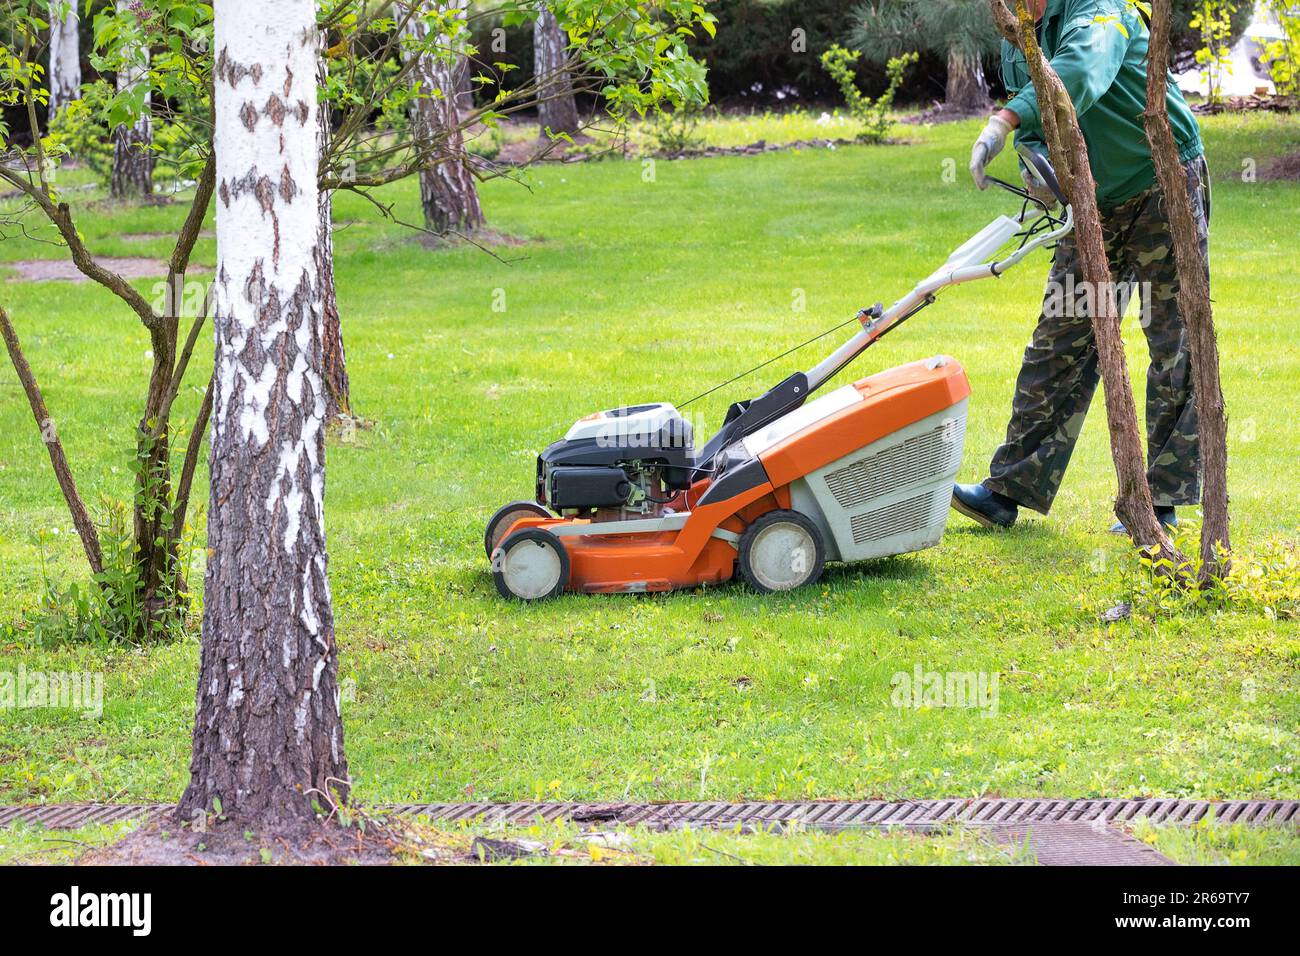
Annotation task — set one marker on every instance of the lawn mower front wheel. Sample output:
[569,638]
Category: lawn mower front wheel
[781,551]
[504,517]
[530,565]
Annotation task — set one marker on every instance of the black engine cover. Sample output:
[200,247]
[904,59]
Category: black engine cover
[586,487]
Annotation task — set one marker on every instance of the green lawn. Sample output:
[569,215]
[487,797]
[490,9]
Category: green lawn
[630,290]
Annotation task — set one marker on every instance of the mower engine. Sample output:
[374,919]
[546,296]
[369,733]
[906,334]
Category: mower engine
[621,463]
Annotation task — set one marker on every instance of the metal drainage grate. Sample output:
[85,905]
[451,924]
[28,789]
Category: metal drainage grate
[827,815]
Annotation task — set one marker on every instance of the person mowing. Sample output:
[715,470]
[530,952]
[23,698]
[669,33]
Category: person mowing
[1099,49]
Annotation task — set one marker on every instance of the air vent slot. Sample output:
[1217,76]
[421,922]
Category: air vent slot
[903,517]
[914,460]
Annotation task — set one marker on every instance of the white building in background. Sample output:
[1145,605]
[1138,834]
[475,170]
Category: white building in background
[1244,74]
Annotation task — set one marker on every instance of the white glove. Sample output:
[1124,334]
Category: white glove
[989,144]
[1041,193]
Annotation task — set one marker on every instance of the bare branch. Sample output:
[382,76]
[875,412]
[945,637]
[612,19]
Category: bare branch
[189,234]
[61,215]
[49,435]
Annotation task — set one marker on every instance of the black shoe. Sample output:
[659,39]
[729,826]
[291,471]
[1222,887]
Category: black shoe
[989,508]
[1165,515]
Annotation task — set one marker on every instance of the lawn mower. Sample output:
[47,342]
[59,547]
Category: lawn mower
[626,503]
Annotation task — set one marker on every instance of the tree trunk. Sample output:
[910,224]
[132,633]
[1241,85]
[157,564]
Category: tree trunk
[1193,302]
[448,193]
[1069,154]
[268,737]
[338,393]
[132,154]
[65,57]
[152,513]
[556,109]
[967,90]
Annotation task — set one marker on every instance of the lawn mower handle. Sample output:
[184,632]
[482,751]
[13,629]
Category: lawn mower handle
[966,264]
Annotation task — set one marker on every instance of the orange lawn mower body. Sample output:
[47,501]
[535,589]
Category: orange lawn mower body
[625,502]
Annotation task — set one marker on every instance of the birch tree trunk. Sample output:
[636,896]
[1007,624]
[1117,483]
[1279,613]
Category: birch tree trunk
[1069,155]
[132,157]
[65,56]
[967,89]
[556,109]
[338,396]
[1193,301]
[448,193]
[268,738]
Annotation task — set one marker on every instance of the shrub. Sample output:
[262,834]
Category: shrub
[873,114]
[109,609]
[1264,580]
[676,131]
[77,132]
[768,50]
[1283,56]
[1212,19]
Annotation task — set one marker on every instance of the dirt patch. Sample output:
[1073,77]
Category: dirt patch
[64,270]
[941,113]
[483,238]
[113,205]
[1248,104]
[367,841]
[754,149]
[1285,167]
[151,236]
[163,842]
[526,151]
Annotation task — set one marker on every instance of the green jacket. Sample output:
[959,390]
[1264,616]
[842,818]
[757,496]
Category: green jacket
[1099,49]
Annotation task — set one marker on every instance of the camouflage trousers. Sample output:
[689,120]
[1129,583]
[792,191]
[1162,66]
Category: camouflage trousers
[1060,373]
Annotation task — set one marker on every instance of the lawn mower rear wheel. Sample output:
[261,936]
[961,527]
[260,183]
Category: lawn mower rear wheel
[781,551]
[504,517]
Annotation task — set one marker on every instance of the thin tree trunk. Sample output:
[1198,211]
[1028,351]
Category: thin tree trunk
[1069,154]
[448,193]
[65,57]
[1193,301]
[338,390]
[174,524]
[132,154]
[967,89]
[191,462]
[557,110]
[50,436]
[268,736]
[152,510]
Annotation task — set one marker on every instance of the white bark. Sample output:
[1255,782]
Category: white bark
[448,193]
[65,56]
[268,730]
[556,110]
